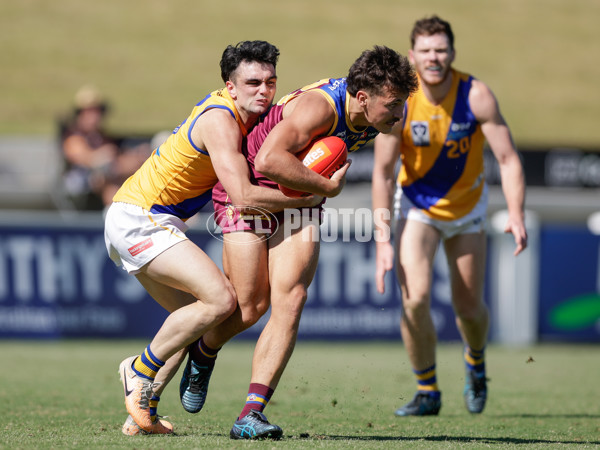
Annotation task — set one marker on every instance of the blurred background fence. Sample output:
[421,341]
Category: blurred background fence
[57,281]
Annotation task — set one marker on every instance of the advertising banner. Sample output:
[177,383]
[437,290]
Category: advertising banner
[57,281]
[569,307]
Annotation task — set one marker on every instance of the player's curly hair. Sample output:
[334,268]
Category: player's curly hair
[429,26]
[249,51]
[379,68]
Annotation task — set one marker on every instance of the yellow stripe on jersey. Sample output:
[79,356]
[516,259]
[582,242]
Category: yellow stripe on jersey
[315,87]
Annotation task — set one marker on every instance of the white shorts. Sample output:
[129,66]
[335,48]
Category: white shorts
[135,236]
[474,222]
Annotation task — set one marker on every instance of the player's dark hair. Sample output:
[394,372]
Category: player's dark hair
[249,51]
[430,26]
[381,67]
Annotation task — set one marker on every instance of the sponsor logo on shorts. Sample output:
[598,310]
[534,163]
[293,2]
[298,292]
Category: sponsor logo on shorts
[139,248]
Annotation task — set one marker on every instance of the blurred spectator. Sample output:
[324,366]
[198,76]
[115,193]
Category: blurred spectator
[95,164]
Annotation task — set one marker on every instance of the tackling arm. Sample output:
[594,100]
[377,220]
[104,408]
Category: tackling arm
[221,136]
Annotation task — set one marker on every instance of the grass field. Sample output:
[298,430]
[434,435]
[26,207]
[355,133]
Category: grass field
[155,59]
[333,395]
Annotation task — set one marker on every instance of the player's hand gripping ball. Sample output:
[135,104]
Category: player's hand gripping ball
[324,156]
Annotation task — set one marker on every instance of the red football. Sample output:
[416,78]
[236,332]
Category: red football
[324,155]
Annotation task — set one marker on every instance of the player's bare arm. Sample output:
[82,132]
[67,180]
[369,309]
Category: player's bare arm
[387,149]
[220,135]
[496,131]
[305,118]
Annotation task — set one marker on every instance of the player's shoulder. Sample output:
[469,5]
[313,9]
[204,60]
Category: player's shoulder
[482,101]
[478,89]
[215,123]
[311,103]
[216,117]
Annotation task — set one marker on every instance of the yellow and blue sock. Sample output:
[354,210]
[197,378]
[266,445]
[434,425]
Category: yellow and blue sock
[258,397]
[146,365]
[153,407]
[427,382]
[474,360]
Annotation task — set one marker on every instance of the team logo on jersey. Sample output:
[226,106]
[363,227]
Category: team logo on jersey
[419,130]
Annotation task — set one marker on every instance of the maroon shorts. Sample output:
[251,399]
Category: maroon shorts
[232,218]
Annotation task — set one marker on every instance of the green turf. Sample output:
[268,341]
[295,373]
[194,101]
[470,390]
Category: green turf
[67,395]
[155,59]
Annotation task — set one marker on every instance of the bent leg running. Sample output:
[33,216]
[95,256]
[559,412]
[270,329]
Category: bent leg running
[292,266]
[466,255]
[417,245]
[175,269]
[187,268]
[245,263]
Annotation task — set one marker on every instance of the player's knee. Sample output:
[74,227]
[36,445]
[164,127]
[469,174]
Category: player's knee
[228,304]
[472,312]
[258,311]
[221,303]
[253,310]
[416,305]
[213,312]
[292,304]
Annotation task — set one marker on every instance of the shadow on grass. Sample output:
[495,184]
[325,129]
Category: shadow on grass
[443,438]
[549,416]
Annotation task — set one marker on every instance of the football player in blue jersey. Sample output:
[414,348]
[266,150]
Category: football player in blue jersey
[442,197]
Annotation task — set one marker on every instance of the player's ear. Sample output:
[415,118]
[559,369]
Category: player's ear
[231,89]
[361,97]
[452,55]
[411,56]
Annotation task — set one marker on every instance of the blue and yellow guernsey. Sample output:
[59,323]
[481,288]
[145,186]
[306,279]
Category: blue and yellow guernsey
[178,177]
[335,91]
[442,153]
